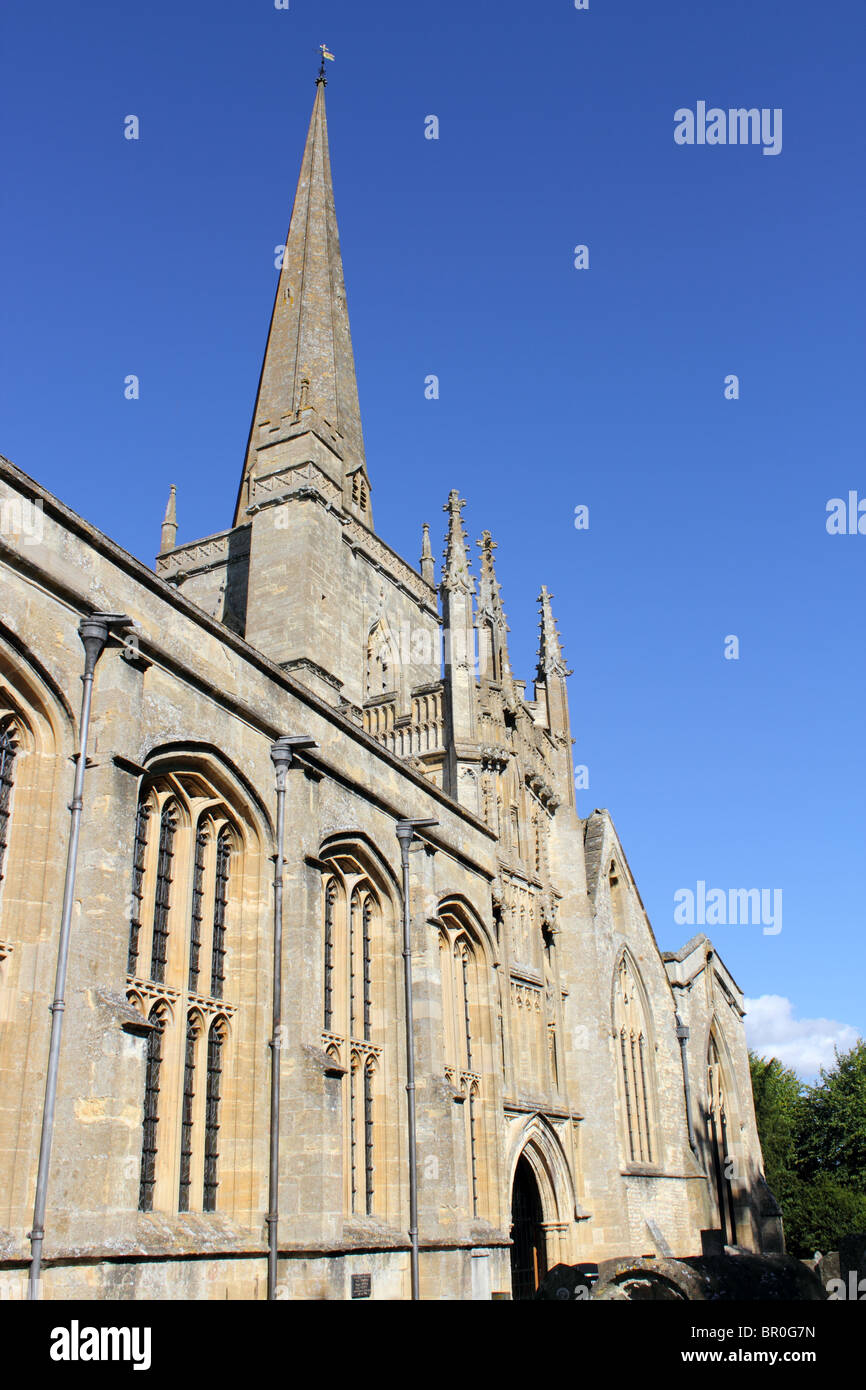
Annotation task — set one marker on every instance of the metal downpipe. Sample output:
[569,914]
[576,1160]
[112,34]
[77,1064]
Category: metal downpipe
[93,632]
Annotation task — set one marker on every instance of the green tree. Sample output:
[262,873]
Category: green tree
[778,1093]
[831,1135]
[818,1214]
[813,1139]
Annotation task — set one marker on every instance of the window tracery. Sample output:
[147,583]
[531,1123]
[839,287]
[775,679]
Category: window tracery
[352,923]
[633,1056]
[718,1116]
[187,851]
[461,962]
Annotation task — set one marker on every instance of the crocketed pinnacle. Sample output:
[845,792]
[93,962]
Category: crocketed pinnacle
[550,658]
[489,592]
[456,575]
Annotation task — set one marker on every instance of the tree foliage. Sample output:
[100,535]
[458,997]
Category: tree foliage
[813,1140]
[778,1093]
[832,1137]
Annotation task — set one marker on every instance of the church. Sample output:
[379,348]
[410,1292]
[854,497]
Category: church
[348,999]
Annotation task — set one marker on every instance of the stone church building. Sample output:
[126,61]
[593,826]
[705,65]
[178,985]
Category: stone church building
[579,1095]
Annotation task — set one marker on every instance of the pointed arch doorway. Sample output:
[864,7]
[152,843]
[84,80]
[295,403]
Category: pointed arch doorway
[528,1251]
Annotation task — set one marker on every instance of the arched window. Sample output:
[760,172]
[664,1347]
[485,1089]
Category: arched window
[8,753]
[461,967]
[137,892]
[381,672]
[215,1041]
[617,895]
[187,865]
[197,910]
[220,902]
[193,1031]
[162,900]
[631,1039]
[153,1070]
[717,1136]
[36,737]
[352,1010]
[330,900]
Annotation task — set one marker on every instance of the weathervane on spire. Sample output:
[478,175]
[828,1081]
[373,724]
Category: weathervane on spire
[325,54]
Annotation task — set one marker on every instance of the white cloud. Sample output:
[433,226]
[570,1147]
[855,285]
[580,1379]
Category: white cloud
[806,1044]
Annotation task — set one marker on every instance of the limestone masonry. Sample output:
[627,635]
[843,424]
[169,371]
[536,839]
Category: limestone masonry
[580,1096]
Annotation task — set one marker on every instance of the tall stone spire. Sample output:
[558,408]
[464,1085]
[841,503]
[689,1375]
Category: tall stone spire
[307,384]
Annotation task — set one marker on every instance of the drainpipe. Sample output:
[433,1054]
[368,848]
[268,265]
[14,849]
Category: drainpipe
[405,831]
[283,757]
[683,1036]
[93,632]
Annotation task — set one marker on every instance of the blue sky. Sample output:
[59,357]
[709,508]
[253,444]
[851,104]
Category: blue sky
[558,387]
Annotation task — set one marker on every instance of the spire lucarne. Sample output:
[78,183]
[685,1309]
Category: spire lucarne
[307,384]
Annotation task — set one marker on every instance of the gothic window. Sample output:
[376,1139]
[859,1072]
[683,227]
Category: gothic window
[197,910]
[381,667]
[617,895]
[192,1035]
[359,947]
[461,961]
[330,900]
[717,1135]
[137,893]
[633,1053]
[162,902]
[33,731]
[218,950]
[8,753]
[151,1107]
[352,918]
[187,862]
[215,1042]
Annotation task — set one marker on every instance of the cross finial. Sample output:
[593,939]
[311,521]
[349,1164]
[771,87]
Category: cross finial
[323,48]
